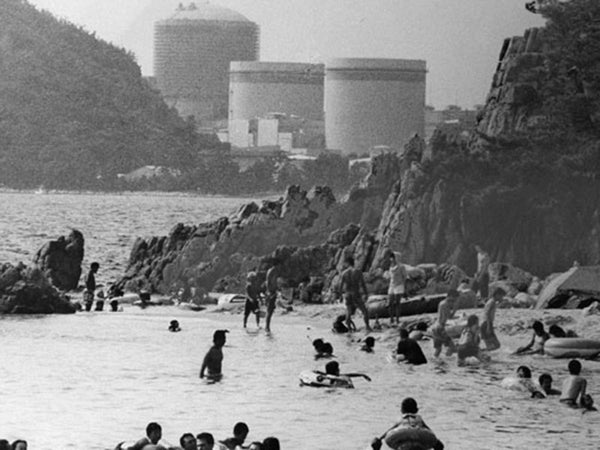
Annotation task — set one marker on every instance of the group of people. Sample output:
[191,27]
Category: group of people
[19,444]
[203,441]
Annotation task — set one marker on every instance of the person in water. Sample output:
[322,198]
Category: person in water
[446,310]
[19,444]
[153,435]
[468,344]
[270,443]
[524,377]
[240,432]
[253,292]
[418,332]
[409,350]
[90,286]
[574,387]
[368,344]
[174,326]
[487,323]
[397,287]
[187,441]
[214,358]
[333,368]
[272,288]
[545,381]
[205,441]
[536,344]
[355,291]
[322,349]
[340,327]
[410,419]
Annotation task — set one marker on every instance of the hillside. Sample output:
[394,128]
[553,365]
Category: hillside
[74,110]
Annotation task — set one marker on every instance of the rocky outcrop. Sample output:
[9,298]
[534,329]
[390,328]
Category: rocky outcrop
[60,260]
[26,290]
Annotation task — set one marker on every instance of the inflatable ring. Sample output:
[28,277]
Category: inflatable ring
[572,348]
[399,436]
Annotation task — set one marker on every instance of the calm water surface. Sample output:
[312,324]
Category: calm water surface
[91,380]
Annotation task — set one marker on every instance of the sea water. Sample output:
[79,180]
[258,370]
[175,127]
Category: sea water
[91,380]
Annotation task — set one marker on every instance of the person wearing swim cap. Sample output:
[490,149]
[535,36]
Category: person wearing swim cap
[214,357]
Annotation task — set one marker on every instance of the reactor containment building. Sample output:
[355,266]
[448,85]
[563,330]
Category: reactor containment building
[373,102]
[192,52]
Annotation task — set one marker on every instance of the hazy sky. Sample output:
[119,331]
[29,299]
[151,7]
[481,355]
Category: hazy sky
[459,39]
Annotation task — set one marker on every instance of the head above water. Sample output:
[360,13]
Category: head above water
[545,380]
[205,441]
[19,444]
[219,337]
[241,430]
[270,443]
[409,406]
[523,372]
[370,341]
[332,368]
[154,432]
[94,266]
[538,327]
[318,344]
[574,367]
[187,441]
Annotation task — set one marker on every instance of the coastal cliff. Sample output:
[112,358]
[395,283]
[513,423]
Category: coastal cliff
[524,185]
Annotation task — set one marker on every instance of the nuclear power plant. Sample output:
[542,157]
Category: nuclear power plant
[192,52]
[373,102]
[206,65]
[260,88]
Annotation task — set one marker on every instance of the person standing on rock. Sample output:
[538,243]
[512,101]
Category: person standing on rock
[352,285]
[272,288]
[397,288]
[482,277]
[90,286]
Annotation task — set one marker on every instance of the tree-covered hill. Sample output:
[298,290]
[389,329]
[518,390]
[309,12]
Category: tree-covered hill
[74,110]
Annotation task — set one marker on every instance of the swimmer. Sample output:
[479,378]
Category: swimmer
[368,344]
[240,432]
[468,344]
[340,327]
[19,444]
[174,326]
[214,358]
[323,349]
[536,345]
[418,332]
[333,368]
[524,376]
[545,381]
[153,435]
[446,310]
[270,443]
[573,388]
[188,442]
[410,419]
[409,350]
[206,441]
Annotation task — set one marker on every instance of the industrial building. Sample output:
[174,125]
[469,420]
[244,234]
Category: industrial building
[373,102]
[260,88]
[192,52]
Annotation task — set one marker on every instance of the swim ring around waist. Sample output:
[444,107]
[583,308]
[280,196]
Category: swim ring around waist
[572,348]
[399,437]
[314,379]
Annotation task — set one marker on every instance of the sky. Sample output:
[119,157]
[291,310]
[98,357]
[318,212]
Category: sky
[459,39]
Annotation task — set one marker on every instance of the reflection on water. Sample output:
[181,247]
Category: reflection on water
[93,379]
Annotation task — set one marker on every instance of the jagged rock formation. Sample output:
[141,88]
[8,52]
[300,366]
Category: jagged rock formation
[60,260]
[27,291]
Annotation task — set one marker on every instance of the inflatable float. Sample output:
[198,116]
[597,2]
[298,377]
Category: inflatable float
[400,437]
[377,305]
[316,379]
[572,348]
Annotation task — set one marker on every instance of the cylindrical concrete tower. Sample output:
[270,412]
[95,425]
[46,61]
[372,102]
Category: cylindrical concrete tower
[192,52]
[370,102]
[258,88]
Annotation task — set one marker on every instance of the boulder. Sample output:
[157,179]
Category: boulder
[26,290]
[60,260]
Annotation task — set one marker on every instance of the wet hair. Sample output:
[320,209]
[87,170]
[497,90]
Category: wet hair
[452,293]
[318,344]
[219,335]
[332,368]
[526,371]
[327,348]
[403,333]
[240,428]
[545,376]
[370,341]
[574,367]
[270,443]
[94,265]
[206,437]
[421,326]
[152,427]
[4,444]
[184,436]
[557,331]
[409,406]
[537,326]
[472,320]
[349,260]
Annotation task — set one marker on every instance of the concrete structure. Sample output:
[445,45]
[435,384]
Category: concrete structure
[192,53]
[465,118]
[259,88]
[370,102]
